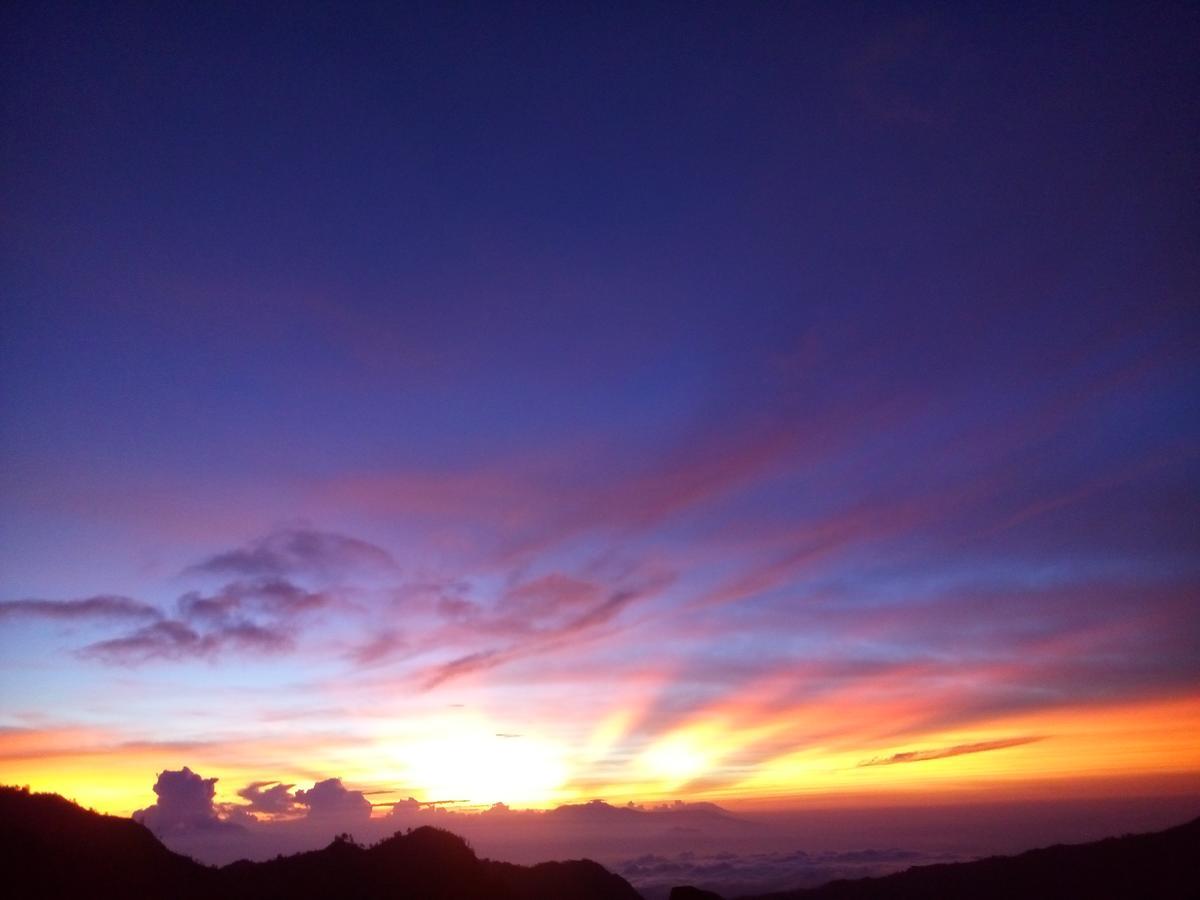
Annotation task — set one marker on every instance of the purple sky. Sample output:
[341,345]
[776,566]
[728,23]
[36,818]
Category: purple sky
[725,402]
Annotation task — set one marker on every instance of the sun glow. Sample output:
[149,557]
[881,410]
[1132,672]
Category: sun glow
[468,760]
[676,760]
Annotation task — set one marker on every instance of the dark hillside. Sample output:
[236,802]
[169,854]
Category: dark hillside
[1164,865]
[51,848]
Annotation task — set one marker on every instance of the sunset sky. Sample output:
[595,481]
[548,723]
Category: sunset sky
[751,403]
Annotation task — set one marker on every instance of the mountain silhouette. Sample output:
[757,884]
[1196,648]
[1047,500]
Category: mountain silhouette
[51,848]
[597,812]
[1164,865]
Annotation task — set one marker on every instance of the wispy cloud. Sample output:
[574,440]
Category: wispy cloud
[465,665]
[554,620]
[297,551]
[174,640]
[257,615]
[103,606]
[945,752]
[274,598]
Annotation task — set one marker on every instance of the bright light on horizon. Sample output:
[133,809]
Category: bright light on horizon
[468,759]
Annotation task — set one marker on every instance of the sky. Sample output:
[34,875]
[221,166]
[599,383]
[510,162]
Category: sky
[766,405]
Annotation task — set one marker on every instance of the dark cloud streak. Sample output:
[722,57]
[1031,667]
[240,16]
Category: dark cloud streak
[945,752]
[102,606]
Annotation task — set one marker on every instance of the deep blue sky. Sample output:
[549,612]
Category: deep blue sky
[760,340]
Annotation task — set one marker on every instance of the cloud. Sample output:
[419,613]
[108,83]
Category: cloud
[173,640]
[277,598]
[406,807]
[543,605]
[733,874]
[457,608]
[162,640]
[601,612]
[944,752]
[184,804]
[331,798]
[297,551]
[540,616]
[544,642]
[252,614]
[548,596]
[251,636]
[463,665]
[378,648]
[535,503]
[255,614]
[102,606]
[269,797]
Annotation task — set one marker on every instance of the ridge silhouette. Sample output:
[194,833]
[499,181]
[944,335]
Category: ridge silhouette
[52,848]
[1163,865]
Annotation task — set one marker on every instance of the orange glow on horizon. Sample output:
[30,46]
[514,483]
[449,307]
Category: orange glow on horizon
[464,758]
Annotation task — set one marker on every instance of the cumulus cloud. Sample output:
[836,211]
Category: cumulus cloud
[297,551]
[102,606]
[269,797]
[944,752]
[406,807]
[184,804]
[330,798]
